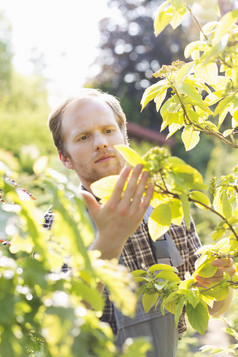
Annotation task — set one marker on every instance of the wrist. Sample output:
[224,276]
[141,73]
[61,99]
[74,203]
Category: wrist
[110,249]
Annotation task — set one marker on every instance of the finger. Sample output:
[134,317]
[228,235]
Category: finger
[90,202]
[132,185]
[117,192]
[224,262]
[137,199]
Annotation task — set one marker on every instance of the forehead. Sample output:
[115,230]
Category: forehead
[87,113]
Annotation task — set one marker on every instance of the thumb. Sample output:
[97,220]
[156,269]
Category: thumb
[90,202]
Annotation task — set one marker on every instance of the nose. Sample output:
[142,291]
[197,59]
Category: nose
[100,142]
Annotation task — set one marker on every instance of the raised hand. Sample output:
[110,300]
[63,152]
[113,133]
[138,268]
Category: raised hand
[122,214]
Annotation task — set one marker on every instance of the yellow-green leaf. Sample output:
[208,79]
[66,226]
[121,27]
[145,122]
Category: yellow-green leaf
[208,72]
[162,267]
[195,46]
[163,18]
[190,137]
[148,301]
[177,17]
[206,269]
[226,205]
[198,317]
[168,275]
[226,22]
[179,309]
[151,92]
[186,209]
[183,73]
[162,214]
[200,197]
[177,211]
[130,155]
[103,188]
[156,230]
[160,98]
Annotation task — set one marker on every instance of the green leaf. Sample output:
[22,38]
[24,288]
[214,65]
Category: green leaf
[226,205]
[218,292]
[163,18]
[156,230]
[170,302]
[178,17]
[183,73]
[152,91]
[186,209]
[200,197]
[177,211]
[162,214]
[159,221]
[222,109]
[193,297]
[208,72]
[130,155]
[160,98]
[179,309]
[198,317]
[190,90]
[103,188]
[206,269]
[148,301]
[225,24]
[166,267]
[168,275]
[195,46]
[190,137]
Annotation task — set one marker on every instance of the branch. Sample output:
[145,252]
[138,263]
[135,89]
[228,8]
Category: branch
[199,26]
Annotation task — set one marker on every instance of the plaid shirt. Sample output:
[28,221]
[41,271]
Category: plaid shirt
[137,254]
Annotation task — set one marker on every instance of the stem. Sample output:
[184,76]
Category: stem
[199,26]
[219,214]
[198,127]
[167,192]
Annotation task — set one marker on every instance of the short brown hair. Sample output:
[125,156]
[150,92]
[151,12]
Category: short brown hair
[55,118]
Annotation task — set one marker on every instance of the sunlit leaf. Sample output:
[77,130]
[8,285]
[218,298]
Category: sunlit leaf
[177,211]
[198,317]
[208,72]
[151,92]
[130,155]
[163,18]
[179,309]
[195,46]
[186,209]
[190,137]
[103,188]
[200,197]
[160,98]
[183,73]
[148,301]
[178,17]
[224,25]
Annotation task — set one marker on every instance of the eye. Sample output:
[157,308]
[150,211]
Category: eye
[83,138]
[109,131]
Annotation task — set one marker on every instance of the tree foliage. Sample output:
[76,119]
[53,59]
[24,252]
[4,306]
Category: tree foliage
[130,53]
[43,311]
[204,91]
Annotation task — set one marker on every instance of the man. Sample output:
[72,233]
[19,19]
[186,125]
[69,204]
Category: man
[85,130]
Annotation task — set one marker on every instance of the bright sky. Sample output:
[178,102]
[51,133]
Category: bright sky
[64,31]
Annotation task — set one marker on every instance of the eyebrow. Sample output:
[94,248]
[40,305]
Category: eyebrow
[79,132]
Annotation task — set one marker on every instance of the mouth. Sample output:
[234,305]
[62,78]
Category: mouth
[104,158]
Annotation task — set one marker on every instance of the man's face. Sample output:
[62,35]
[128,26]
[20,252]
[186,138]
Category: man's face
[89,131]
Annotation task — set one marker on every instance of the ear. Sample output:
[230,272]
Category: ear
[66,161]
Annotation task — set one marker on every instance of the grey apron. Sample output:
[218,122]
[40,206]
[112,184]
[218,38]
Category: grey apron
[160,329]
